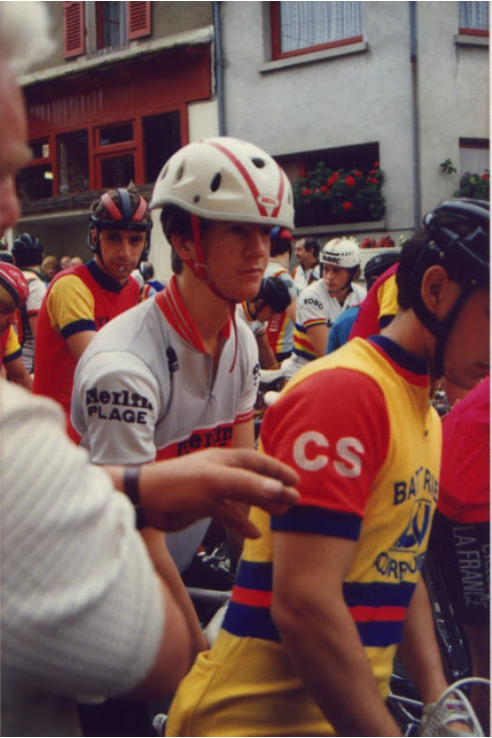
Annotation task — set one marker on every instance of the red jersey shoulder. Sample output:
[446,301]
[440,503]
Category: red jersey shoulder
[333,428]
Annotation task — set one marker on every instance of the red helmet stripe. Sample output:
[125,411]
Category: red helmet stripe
[111,207]
[140,211]
[280,192]
[244,172]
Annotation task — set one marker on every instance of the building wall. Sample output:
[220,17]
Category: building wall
[453,99]
[328,100]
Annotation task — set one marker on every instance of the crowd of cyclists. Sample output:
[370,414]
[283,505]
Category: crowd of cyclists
[133,435]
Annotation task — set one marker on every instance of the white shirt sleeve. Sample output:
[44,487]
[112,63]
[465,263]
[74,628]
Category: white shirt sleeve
[115,408]
[81,606]
[37,290]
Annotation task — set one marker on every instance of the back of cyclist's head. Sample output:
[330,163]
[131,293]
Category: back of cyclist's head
[378,265]
[456,236]
[280,241]
[274,294]
[119,209]
[27,250]
[14,289]
[312,245]
[220,179]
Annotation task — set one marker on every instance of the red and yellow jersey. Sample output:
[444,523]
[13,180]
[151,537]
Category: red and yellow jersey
[81,299]
[365,475]
[10,347]
[379,307]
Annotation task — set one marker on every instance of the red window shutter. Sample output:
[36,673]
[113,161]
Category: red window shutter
[73,29]
[138,20]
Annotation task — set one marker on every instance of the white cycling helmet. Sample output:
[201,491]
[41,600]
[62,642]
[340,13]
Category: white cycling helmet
[226,179]
[342,252]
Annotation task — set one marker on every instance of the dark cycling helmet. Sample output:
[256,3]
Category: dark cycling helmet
[27,250]
[459,240]
[14,289]
[378,265]
[146,270]
[275,294]
[124,216]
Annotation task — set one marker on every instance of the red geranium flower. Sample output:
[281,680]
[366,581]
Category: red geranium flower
[350,181]
[485,176]
[376,164]
[347,205]
[357,173]
[306,191]
[334,178]
[373,181]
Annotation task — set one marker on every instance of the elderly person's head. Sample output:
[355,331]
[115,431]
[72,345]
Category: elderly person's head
[23,41]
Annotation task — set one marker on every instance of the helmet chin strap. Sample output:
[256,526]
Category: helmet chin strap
[202,272]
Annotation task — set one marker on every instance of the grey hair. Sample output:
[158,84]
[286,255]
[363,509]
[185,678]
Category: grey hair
[24,34]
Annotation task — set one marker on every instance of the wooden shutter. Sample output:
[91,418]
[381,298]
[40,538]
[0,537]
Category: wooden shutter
[73,29]
[138,20]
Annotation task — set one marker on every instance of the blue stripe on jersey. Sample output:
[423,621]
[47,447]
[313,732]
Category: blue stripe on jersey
[310,519]
[250,622]
[380,635]
[378,594]
[255,575]
[76,327]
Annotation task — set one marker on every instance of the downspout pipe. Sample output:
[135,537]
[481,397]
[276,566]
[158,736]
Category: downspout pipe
[219,66]
[415,116]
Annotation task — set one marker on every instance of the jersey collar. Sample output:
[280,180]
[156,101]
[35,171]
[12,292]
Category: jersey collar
[412,367]
[176,313]
[102,278]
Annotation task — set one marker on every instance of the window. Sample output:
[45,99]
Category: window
[162,138]
[108,25]
[35,182]
[301,27]
[73,162]
[474,155]
[115,147]
[474,18]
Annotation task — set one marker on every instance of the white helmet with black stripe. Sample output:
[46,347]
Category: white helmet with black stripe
[341,252]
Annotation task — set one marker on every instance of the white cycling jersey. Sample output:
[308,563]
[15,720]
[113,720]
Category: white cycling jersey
[145,387]
[315,306]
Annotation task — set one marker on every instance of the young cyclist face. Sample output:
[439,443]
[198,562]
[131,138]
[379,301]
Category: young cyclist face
[337,279]
[467,352]
[121,252]
[237,255]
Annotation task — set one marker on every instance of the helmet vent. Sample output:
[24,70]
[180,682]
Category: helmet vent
[196,198]
[215,183]
[179,174]
[259,163]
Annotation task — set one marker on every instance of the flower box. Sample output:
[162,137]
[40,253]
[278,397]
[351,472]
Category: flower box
[327,197]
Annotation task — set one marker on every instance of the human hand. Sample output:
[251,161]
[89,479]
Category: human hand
[216,483]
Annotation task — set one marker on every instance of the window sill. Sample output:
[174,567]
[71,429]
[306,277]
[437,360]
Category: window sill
[317,56]
[341,228]
[463,39]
